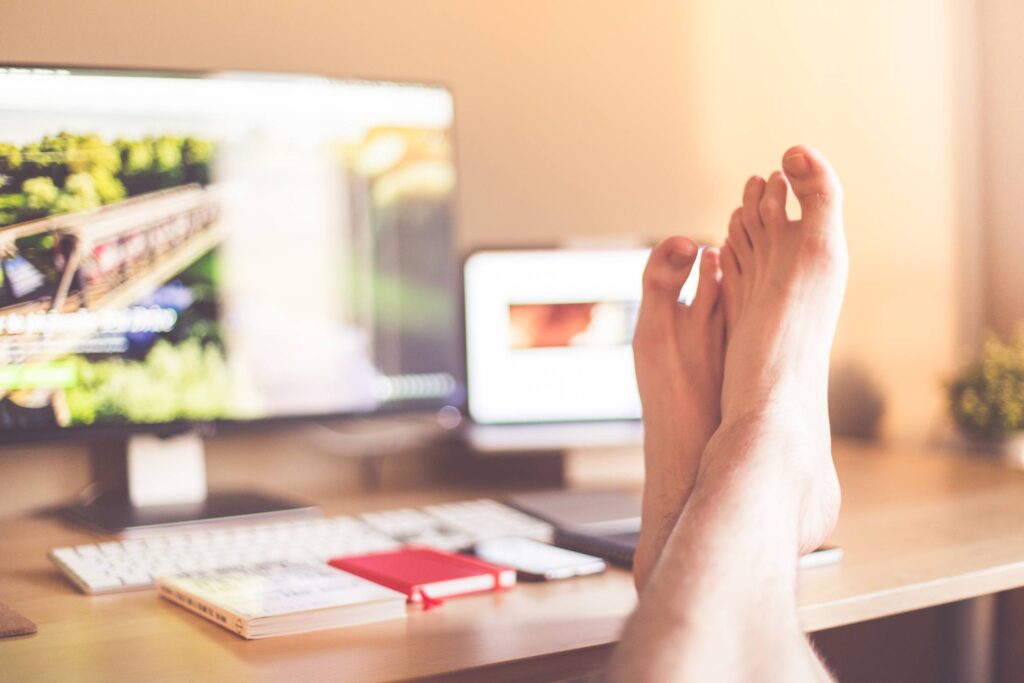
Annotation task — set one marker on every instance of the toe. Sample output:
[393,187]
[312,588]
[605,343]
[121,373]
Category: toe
[728,263]
[738,235]
[667,269]
[708,284]
[773,202]
[752,193]
[814,182]
[731,284]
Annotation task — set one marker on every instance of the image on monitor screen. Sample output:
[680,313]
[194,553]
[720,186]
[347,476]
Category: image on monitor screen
[222,247]
[549,334]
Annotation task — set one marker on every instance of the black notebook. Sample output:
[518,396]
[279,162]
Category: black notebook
[616,548]
[619,548]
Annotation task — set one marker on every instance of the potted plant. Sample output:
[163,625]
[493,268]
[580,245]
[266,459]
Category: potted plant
[987,398]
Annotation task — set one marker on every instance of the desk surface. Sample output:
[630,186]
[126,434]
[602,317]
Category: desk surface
[919,529]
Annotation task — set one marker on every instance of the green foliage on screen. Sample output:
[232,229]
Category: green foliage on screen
[185,381]
[70,172]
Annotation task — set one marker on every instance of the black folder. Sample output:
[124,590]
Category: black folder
[616,548]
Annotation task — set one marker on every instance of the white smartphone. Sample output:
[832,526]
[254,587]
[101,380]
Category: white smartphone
[536,560]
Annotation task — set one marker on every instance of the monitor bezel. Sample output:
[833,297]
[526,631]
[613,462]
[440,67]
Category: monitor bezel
[209,428]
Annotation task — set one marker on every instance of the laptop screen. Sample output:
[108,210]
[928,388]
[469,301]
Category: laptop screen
[549,333]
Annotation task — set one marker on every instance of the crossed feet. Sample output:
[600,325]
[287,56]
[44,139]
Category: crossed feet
[753,347]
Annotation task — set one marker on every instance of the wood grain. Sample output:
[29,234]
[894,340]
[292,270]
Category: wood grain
[918,528]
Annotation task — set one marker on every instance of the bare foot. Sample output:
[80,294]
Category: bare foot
[783,284]
[679,355]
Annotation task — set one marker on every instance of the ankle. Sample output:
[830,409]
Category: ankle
[763,431]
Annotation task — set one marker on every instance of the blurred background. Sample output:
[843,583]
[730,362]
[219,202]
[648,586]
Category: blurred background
[589,119]
[593,120]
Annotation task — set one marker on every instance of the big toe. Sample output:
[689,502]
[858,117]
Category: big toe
[814,183]
[668,268]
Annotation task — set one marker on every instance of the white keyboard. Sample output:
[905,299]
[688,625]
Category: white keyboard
[133,564]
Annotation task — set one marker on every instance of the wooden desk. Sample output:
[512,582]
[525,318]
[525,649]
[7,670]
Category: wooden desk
[919,529]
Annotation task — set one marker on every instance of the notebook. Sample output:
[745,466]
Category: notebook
[427,576]
[282,598]
[606,523]
[616,548]
[620,548]
[594,512]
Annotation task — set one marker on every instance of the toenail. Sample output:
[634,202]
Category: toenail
[680,259]
[796,164]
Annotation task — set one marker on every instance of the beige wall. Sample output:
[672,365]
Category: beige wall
[594,118]
[1002,161]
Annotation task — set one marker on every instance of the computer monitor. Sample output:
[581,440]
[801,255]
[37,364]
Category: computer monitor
[548,343]
[184,249]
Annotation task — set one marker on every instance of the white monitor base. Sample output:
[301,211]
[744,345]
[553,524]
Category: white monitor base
[166,471]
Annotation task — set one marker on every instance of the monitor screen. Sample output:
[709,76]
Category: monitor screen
[183,248]
[549,334]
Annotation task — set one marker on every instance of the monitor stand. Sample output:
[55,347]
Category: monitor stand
[149,484]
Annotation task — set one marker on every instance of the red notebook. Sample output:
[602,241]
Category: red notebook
[426,575]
